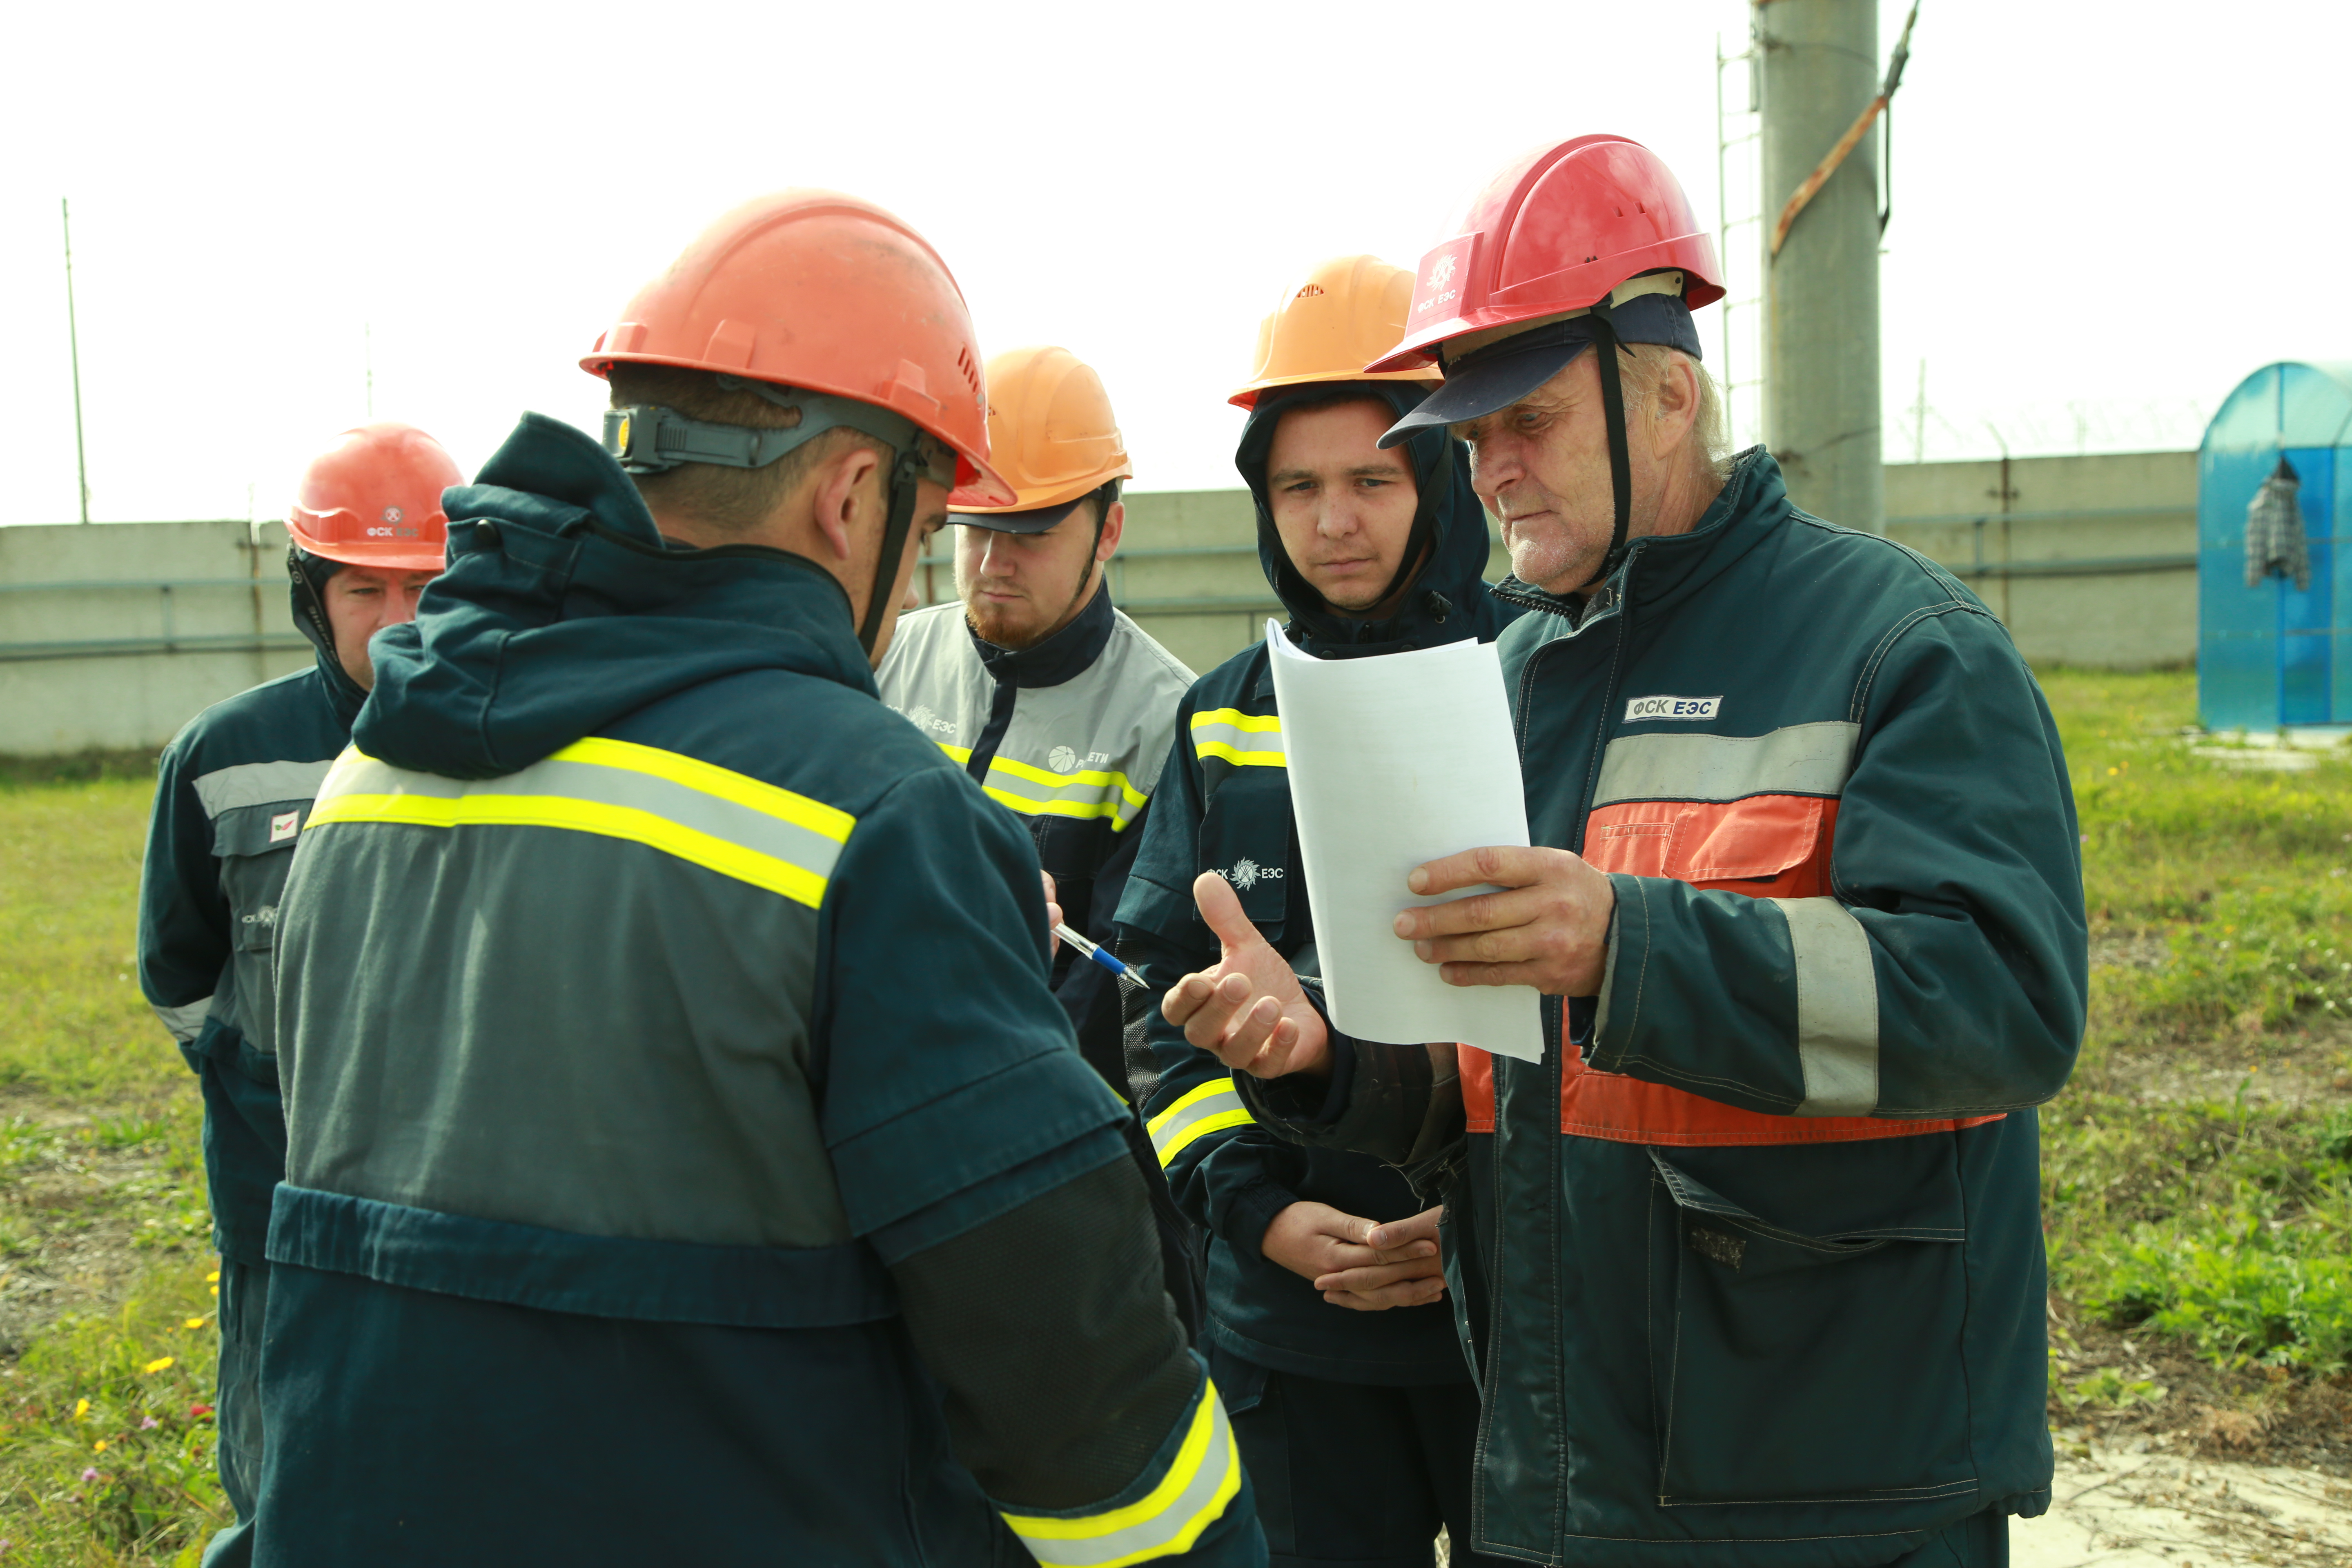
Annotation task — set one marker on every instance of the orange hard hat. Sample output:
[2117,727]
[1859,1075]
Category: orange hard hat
[821,291]
[1050,429]
[1350,312]
[375,500]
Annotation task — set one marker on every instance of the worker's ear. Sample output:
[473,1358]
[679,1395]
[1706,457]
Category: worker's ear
[1113,528]
[848,500]
[1673,407]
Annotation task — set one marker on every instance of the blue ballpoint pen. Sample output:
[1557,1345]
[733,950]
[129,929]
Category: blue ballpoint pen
[1095,953]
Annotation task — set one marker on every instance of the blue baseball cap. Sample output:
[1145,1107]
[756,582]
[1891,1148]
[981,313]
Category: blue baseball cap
[1500,374]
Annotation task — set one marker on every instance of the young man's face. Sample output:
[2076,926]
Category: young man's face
[1019,589]
[1343,508]
[361,602]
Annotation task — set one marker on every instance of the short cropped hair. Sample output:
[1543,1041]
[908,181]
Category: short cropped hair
[723,499]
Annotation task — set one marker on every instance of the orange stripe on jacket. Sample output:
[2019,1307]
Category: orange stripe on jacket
[1766,847]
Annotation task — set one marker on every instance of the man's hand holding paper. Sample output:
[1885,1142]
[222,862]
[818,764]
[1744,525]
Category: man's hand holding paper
[1547,927]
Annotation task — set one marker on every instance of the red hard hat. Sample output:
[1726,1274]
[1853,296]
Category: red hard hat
[1555,231]
[375,500]
[823,291]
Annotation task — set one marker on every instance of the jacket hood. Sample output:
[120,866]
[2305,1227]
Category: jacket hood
[306,593]
[563,610]
[1449,524]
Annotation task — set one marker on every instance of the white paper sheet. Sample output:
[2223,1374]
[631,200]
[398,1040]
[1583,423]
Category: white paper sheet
[1393,761]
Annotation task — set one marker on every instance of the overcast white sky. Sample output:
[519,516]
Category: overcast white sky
[2104,215]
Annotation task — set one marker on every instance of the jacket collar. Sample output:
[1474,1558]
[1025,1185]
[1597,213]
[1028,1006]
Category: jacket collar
[563,610]
[1660,569]
[1065,656]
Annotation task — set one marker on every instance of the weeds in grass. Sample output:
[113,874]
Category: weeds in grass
[2222,1221]
[106,1431]
[2106,1389]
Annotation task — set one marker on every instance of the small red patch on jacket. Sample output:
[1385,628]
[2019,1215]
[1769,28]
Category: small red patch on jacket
[1477,1068]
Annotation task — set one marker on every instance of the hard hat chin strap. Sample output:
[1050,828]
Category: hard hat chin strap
[1605,345]
[904,474]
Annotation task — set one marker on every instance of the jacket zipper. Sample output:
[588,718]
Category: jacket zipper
[1554,1078]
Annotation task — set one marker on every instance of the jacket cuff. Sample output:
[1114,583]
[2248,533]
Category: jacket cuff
[1604,1047]
[1248,1213]
[1302,1099]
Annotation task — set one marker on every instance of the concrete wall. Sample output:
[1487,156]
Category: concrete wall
[114,635]
[2093,563]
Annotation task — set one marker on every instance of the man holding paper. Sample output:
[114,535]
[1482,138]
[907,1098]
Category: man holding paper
[1357,1422]
[1754,1256]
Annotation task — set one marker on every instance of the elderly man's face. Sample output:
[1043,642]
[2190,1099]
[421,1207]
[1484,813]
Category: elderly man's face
[1541,466]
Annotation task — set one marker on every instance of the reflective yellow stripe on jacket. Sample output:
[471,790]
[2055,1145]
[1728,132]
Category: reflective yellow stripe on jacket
[1212,1106]
[1166,1520]
[1245,740]
[717,818]
[1039,792]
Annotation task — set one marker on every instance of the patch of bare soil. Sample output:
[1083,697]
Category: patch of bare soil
[2124,949]
[79,1215]
[2312,1068]
[2260,1415]
[2121,1509]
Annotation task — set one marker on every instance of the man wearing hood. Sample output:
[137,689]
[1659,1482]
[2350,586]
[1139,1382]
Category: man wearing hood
[1059,707]
[1349,1393]
[232,791]
[707,1173]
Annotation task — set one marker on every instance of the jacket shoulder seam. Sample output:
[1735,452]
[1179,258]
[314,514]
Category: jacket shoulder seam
[1868,675]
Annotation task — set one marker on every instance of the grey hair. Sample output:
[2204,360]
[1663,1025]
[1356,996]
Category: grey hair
[1710,437]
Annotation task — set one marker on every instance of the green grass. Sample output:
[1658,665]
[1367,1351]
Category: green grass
[106,1431]
[77,1028]
[2207,1213]
[126,1477]
[2201,1211]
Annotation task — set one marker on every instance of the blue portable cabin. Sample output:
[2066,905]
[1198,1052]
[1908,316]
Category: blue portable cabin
[2273,655]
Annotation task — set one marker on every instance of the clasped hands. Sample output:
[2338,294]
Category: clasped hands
[1545,924]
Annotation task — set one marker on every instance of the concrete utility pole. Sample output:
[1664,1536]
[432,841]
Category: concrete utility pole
[1820,292]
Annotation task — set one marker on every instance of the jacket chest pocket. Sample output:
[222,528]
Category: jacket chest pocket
[254,846]
[1245,837]
[1767,846]
[1820,1359]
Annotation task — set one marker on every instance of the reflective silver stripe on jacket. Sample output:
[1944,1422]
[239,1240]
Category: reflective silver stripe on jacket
[187,1021]
[1090,748]
[1837,1007]
[1201,1482]
[1209,1108]
[259,784]
[724,821]
[1244,739]
[1802,759]
[1040,792]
